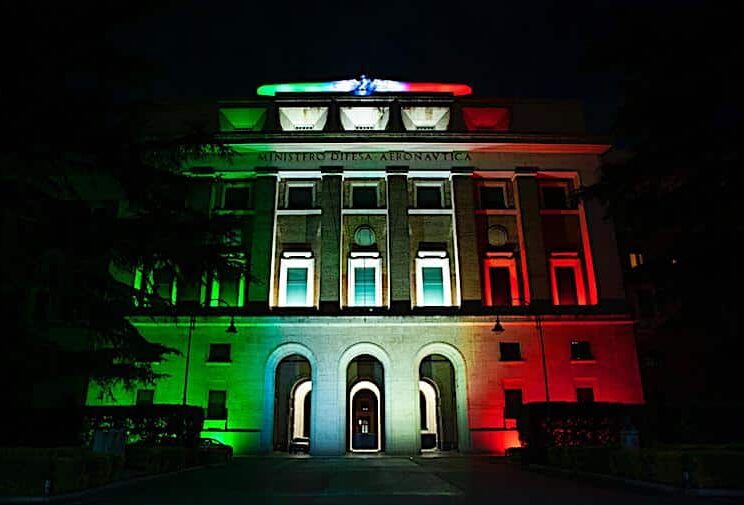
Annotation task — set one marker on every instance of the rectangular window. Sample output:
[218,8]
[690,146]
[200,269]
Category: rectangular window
[232,282]
[219,353]
[581,350]
[364,280]
[429,196]
[510,351]
[164,280]
[501,285]
[433,281]
[364,286]
[492,197]
[299,196]
[217,405]
[296,286]
[554,197]
[512,403]
[565,279]
[364,197]
[296,280]
[636,259]
[145,396]
[236,198]
[584,395]
[501,288]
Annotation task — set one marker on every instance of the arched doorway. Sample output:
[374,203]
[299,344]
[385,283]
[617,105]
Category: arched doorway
[292,393]
[437,404]
[365,414]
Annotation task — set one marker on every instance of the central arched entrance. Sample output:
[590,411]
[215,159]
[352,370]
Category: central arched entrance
[365,414]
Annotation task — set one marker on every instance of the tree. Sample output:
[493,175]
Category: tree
[674,187]
[72,155]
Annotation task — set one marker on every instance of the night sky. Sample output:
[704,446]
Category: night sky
[225,48]
[220,49]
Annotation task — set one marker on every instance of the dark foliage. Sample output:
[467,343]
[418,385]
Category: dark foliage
[152,425]
[673,187]
[79,167]
[558,424]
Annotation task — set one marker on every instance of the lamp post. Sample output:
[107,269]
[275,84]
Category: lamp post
[498,328]
[232,329]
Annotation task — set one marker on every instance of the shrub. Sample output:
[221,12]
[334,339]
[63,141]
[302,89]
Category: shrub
[545,425]
[152,425]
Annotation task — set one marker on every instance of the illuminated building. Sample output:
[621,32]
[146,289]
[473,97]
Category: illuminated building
[385,232]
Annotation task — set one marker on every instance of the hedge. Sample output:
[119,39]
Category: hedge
[153,425]
[703,468]
[563,424]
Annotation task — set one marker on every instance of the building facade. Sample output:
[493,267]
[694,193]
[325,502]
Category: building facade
[416,267]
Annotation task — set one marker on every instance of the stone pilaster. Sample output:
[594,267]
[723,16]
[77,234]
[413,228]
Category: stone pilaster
[400,261]
[329,264]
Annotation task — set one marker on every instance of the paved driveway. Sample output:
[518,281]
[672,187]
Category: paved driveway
[376,480]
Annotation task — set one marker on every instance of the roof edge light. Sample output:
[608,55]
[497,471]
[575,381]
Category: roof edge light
[364,86]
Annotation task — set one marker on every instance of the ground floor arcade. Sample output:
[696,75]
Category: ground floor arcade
[398,385]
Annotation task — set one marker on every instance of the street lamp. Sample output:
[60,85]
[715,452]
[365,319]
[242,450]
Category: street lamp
[232,329]
[498,328]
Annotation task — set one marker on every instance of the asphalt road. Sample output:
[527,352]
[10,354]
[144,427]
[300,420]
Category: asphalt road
[378,480]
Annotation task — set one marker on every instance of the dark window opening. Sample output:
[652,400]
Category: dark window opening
[584,395]
[163,282]
[217,405]
[237,198]
[510,351]
[581,350]
[554,197]
[429,197]
[492,197]
[512,403]
[145,396]
[500,280]
[219,353]
[299,197]
[565,278]
[364,197]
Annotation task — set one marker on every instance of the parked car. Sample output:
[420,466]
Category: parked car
[212,450]
[299,444]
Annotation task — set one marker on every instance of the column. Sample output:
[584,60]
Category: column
[264,190]
[400,261]
[531,236]
[467,243]
[328,433]
[330,240]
